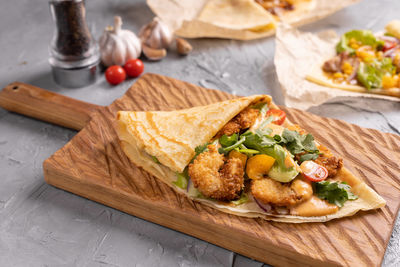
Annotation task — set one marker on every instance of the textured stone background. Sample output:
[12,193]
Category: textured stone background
[41,225]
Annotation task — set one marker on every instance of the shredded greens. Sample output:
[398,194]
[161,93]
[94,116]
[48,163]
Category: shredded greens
[243,199]
[365,37]
[182,179]
[370,74]
[336,193]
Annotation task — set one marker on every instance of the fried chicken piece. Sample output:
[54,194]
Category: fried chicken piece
[329,161]
[216,178]
[245,119]
[269,191]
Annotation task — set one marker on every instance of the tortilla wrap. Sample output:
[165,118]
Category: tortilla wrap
[237,19]
[318,76]
[173,136]
[234,14]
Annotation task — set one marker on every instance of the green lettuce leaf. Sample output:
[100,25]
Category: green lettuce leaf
[366,37]
[182,179]
[243,199]
[370,75]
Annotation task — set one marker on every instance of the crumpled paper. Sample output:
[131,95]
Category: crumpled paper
[296,53]
[181,17]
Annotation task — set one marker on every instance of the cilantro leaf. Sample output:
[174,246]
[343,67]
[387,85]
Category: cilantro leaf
[336,193]
[225,150]
[226,141]
[308,156]
[155,159]
[297,143]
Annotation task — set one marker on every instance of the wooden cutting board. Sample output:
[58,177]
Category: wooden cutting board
[93,165]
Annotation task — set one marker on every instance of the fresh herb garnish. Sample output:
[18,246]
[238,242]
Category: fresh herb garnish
[203,148]
[263,107]
[297,143]
[336,193]
[225,150]
[306,157]
[226,141]
[155,159]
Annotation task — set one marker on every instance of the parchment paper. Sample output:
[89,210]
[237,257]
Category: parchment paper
[181,17]
[296,53]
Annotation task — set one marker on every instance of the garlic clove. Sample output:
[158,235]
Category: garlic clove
[156,34]
[154,54]
[118,45]
[183,47]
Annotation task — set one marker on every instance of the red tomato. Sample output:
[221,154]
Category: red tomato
[134,67]
[313,171]
[115,74]
[279,115]
[388,45]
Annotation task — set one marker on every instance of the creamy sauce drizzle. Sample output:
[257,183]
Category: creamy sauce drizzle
[314,207]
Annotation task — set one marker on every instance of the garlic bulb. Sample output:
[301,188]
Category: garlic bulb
[156,34]
[118,46]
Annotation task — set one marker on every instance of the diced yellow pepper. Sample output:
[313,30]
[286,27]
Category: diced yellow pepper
[379,55]
[353,43]
[365,56]
[258,166]
[237,154]
[396,58]
[347,68]
[337,75]
[390,81]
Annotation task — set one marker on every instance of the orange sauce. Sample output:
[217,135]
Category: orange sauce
[314,207]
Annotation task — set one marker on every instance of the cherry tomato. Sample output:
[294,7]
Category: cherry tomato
[313,171]
[388,45]
[279,115]
[115,74]
[134,67]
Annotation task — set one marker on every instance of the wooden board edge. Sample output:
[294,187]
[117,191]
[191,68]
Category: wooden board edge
[239,243]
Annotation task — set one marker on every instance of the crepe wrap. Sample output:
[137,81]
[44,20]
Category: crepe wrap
[299,55]
[172,137]
[237,19]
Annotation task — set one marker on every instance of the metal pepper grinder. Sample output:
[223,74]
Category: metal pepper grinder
[74,54]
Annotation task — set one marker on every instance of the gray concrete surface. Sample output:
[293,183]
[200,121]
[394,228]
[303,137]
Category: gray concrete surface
[44,226]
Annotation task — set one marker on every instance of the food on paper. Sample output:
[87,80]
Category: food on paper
[240,19]
[287,10]
[364,62]
[243,156]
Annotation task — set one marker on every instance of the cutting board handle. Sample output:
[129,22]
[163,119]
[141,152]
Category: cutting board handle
[47,106]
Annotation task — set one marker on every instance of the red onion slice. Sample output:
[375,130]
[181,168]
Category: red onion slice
[188,185]
[264,207]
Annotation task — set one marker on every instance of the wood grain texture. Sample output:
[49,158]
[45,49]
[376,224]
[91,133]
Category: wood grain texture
[44,105]
[93,165]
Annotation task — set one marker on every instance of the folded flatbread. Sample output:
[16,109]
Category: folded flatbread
[240,19]
[165,143]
